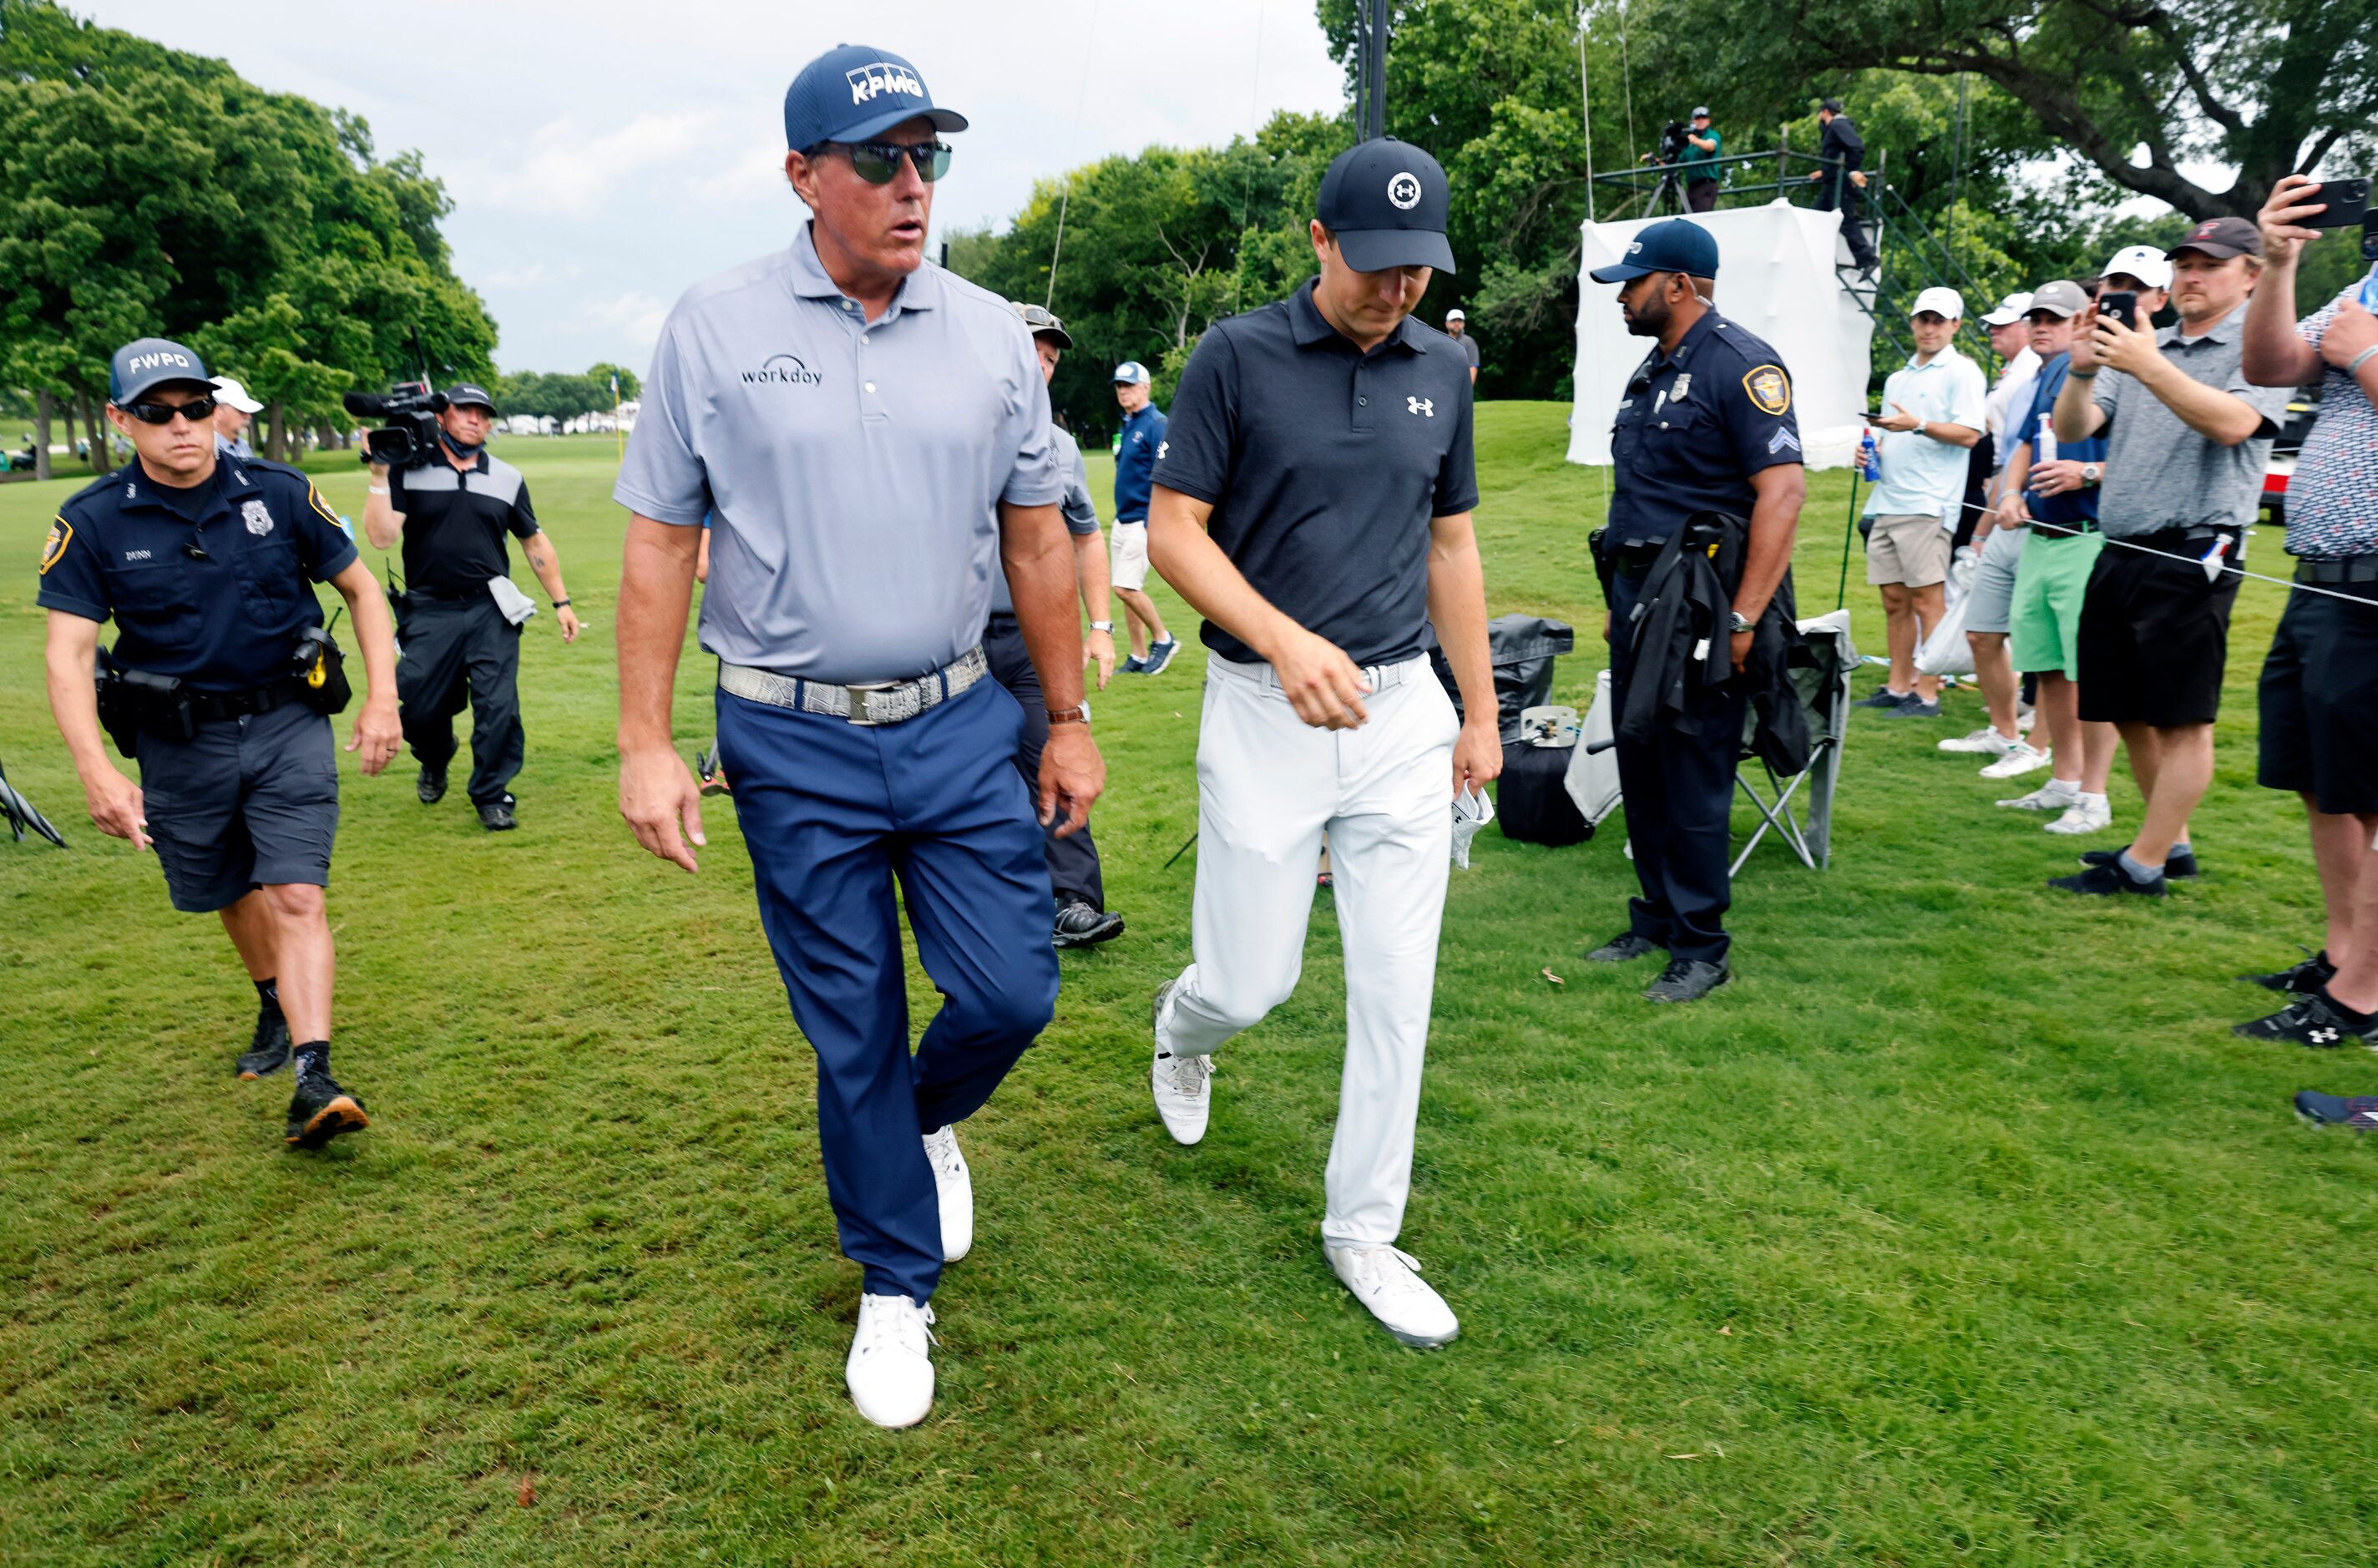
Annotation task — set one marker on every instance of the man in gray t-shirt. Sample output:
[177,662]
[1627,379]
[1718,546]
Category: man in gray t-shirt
[2187,437]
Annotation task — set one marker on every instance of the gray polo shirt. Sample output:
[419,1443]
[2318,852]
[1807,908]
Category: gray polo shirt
[855,469]
[1081,516]
[2160,474]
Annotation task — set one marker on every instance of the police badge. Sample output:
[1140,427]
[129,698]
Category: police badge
[259,521]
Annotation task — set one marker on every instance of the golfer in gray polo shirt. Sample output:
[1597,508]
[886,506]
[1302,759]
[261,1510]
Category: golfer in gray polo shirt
[871,436]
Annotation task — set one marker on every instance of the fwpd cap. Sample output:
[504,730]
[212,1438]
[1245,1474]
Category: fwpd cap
[2144,262]
[1384,201]
[1942,302]
[2058,298]
[230,391]
[2221,238]
[149,363]
[1042,321]
[853,91]
[464,395]
[1130,373]
[1670,245]
[2009,310]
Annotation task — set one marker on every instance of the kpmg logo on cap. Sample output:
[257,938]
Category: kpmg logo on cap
[1403,191]
[783,369]
[873,81]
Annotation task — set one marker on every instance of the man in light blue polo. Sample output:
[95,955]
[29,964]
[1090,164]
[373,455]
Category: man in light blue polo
[870,438]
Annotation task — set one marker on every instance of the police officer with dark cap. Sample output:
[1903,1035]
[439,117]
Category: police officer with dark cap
[1841,184]
[463,615]
[220,684]
[1706,425]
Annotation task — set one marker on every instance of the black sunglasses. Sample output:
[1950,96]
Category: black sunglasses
[877,162]
[196,411]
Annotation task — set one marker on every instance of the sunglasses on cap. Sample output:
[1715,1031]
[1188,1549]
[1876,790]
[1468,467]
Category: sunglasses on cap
[196,411]
[877,162]
[1040,318]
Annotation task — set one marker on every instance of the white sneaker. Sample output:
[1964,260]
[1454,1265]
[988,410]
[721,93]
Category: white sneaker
[955,1186]
[891,1366]
[1983,741]
[2087,814]
[1182,1084]
[2025,715]
[1386,1281]
[2020,758]
[2053,795]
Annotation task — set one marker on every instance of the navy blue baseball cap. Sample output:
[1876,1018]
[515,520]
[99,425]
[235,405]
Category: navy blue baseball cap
[852,92]
[463,394]
[1672,245]
[147,363]
[1385,202]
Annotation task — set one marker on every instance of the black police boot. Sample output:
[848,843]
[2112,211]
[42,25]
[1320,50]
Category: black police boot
[496,815]
[1688,979]
[320,1110]
[269,1051]
[1082,924]
[2302,979]
[1624,948]
[431,788]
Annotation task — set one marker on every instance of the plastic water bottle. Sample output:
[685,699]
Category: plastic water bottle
[2045,444]
[2369,290]
[1869,457]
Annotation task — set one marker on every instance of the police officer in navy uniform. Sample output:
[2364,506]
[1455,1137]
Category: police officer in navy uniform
[869,435]
[205,563]
[1705,424]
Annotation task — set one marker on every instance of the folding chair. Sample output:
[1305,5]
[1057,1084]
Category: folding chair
[1823,685]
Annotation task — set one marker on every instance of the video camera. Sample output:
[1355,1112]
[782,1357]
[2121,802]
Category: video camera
[410,436]
[1672,140]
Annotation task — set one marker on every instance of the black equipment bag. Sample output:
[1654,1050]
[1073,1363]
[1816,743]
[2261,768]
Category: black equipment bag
[1523,648]
[1532,800]
[132,701]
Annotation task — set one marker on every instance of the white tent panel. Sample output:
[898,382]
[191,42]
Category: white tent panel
[1775,276]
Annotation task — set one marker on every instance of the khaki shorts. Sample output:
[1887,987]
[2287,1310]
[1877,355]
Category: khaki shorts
[1908,548]
[1127,555]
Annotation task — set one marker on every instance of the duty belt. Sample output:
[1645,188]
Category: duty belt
[884,702]
[2349,569]
[214,706]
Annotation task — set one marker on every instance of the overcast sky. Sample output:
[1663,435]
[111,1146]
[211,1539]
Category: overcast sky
[605,155]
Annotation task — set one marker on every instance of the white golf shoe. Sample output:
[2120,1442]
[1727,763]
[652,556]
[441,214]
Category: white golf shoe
[1983,742]
[2053,795]
[891,1366]
[1183,1084]
[1386,1281]
[2020,758]
[954,1184]
[2087,814]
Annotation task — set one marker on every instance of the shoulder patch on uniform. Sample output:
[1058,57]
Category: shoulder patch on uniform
[1769,388]
[55,547]
[1782,440]
[314,500]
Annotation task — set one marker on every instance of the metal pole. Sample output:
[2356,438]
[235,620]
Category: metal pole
[1585,107]
[1375,70]
[1849,531]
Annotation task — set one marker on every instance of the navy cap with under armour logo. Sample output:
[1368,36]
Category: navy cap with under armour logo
[149,363]
[852,92]
[1385,202]
[1671,245]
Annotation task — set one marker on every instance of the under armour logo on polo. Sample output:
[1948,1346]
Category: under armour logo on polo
[2324,1037]
[1404,191]
[874,82]
[1422,405]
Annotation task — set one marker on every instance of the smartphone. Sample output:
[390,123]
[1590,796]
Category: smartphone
[2119,304]
[2347,200]
[2370,236]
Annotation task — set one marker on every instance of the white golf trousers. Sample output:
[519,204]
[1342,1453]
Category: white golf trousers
[1269,786]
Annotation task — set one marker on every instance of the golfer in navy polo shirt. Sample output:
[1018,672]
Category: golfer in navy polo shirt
[1312,502]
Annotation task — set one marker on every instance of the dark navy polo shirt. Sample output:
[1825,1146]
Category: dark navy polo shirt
[1324,466]
[227,623]
[1143,438]
[1694,426]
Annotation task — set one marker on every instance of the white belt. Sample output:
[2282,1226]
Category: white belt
[879,702]
[1264,676]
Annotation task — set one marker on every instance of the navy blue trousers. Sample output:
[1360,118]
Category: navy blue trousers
[837,816]
[1678,790]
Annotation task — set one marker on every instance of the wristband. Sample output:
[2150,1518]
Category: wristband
[376,490]
[2082,375]
[1106,627]
[560,604]
[2354,369]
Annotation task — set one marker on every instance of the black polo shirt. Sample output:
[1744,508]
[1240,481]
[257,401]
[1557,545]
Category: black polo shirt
[225,620]
[1693,427]
[455,521]
[1324,466]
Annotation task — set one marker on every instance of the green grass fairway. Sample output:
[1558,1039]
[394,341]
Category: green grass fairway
[1959,1231]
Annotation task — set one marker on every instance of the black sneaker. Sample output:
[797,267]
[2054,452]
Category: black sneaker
[2304,978]
[496,815]
[1882,697]
[2359,1113]
[2313,1020]
[1915,707]
[1624,948]
[1688,979]
[2109,880]
[431,787]
[2181,864]
[320,1110]
[269,1051]
[1081,924]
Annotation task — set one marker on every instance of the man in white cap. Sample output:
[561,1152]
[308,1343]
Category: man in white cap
[235,412]
[1990,600]
[1456,326]
[1136,450]
[1933,414]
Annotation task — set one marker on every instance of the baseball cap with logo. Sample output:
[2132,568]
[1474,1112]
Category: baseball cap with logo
[853,91]
[463,394]
[1945,303]
[1042,322]
[1671,245]
[2009,310]
[2221,238]
[2058,298]
[2144,262]
[145,363]
[1385,202]
[1703,112]
[1130,373]
[230,391]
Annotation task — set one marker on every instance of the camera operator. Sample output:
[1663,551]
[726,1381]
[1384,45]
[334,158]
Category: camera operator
[1840,184]
[222,683]
[1702,148]
[462,614]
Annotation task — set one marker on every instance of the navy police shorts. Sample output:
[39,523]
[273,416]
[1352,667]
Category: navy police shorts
[250,803]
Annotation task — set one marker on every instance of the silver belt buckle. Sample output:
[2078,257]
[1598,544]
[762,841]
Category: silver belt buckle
[855,701]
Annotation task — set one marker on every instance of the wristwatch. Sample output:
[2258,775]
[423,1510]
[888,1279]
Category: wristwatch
[1744,623]
[2091,471]
[1106,627]
[1079,715]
